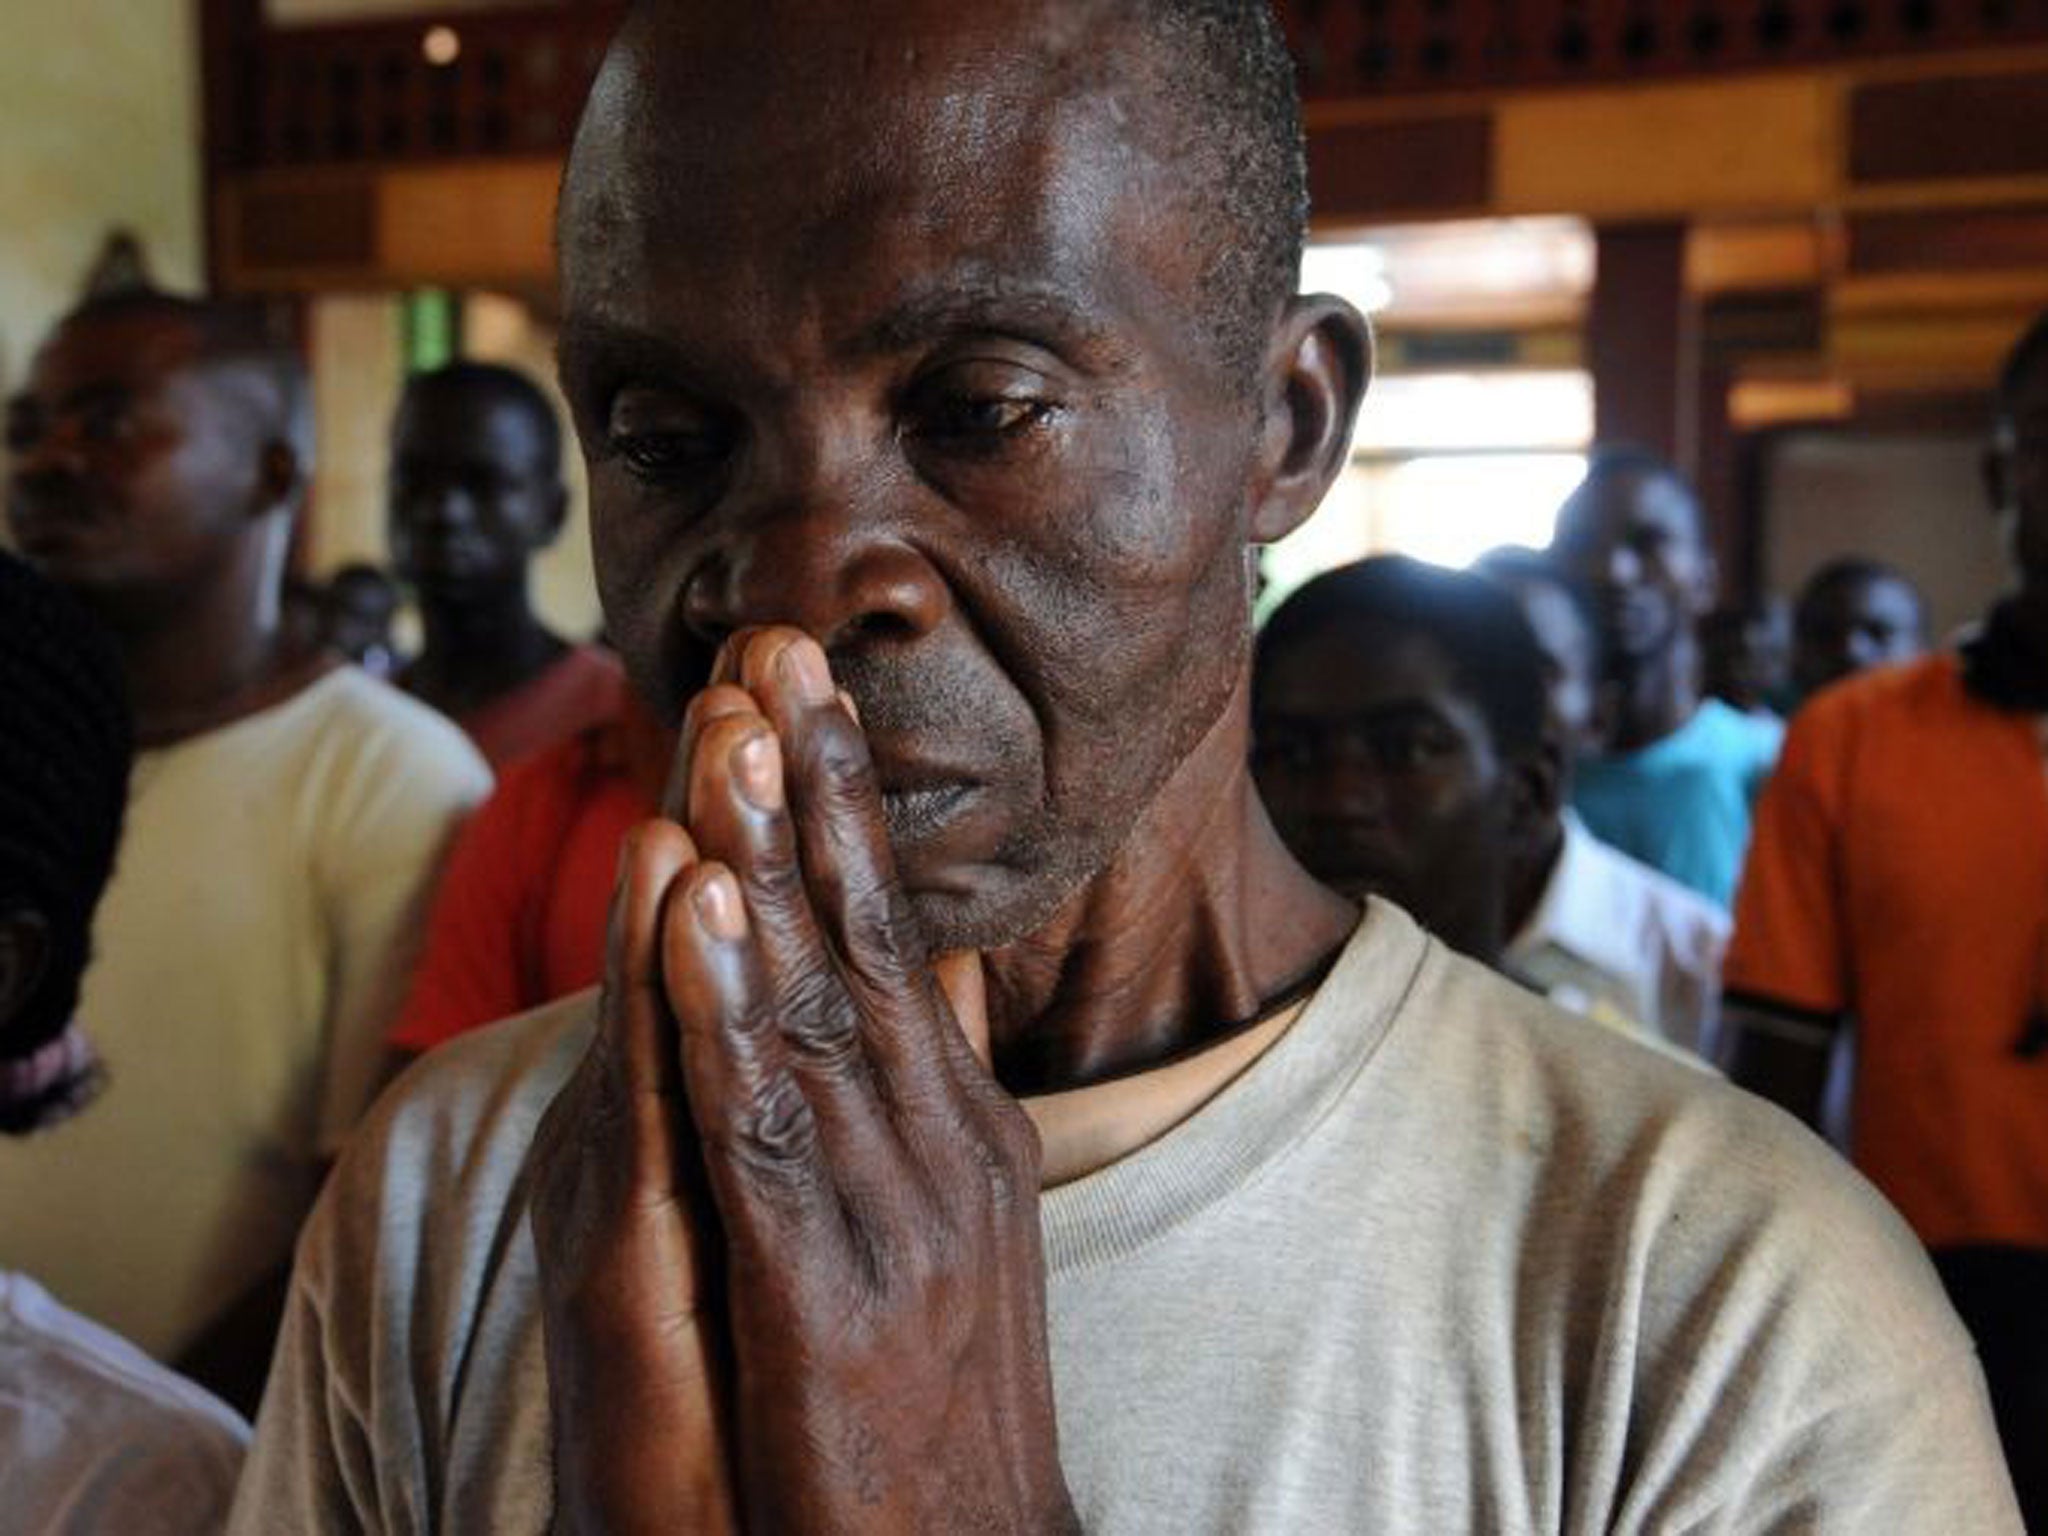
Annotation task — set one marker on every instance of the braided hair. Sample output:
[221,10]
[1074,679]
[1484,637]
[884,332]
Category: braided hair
[65,746]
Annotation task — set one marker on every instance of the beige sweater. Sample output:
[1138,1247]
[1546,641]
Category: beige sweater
[1443,1259]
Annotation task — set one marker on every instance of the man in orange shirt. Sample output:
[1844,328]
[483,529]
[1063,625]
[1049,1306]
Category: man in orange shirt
[1899,877]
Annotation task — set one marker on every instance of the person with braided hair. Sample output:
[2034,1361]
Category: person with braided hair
[94,1436]
[285,819]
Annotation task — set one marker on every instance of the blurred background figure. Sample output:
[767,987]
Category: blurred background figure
[1398,721]
[1900,878]
[284,821]
[95,1437]
[1675,785]
[1594,930]
[358,607]
[1854,614]
[476,493]
[1746,656]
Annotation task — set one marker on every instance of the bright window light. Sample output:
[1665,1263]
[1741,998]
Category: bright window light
[1434,412]
[1454,508]
[1446,467]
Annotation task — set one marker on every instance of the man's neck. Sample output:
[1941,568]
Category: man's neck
[480,645]
[1528,883]
[205,659]
[1198,927]
[1659,694]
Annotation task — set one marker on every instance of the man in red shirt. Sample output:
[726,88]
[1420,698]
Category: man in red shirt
[1899,877]
[476,492]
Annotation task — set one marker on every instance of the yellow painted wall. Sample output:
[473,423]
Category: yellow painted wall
[102,128]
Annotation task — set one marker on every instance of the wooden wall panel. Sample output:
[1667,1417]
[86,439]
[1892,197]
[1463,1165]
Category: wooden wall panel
[1405,168]
[1945,129]
[1754,144]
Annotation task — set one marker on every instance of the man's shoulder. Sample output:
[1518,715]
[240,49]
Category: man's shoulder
[1906,692]
[456,1126]
[1616,900]
[1655,1158]
[356,708]
[1720,730]
[140,1444]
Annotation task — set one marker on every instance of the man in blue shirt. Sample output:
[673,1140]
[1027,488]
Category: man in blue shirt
[1674,787]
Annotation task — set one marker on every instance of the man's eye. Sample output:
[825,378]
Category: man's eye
[664,456]
[992,416]
[104,422]
[1411,749]
[979,406]
[662,440]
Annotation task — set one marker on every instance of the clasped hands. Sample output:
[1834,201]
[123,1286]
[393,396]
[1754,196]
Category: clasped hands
[786,1221]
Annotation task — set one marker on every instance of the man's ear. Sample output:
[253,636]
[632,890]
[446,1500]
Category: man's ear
[1535,794]
[1997,478]
[24,955]
[1316,374]
[280,478]
[1706,587]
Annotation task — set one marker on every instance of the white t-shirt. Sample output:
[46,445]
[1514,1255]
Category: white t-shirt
[97,1439]
[249,954]
[1442,1259]
[1623,944]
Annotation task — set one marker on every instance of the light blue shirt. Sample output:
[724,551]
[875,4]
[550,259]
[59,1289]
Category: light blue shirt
[1682,804]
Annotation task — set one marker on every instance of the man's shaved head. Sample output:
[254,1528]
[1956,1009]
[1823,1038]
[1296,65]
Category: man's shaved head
[1231,127]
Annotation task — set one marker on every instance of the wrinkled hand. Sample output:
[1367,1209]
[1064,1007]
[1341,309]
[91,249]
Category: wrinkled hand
[788,1223]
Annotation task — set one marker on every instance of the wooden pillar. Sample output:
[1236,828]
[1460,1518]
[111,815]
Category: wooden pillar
[1642,341]
[229,32]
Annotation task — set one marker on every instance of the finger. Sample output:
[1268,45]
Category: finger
[759,1135]
[719,701]
[739,812]
[633,1014]
[849,867]
[965,989]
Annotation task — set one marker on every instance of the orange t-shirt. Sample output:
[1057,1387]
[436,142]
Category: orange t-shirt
[519,916]
[1899,872]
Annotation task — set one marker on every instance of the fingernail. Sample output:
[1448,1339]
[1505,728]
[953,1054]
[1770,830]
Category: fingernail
[719,906]
[852,709]
[757,768]
[803,668]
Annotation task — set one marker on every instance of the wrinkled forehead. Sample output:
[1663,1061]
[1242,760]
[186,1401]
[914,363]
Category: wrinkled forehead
[835,152]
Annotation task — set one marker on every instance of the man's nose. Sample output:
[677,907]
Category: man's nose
[1622,566]
[824,561]
[440,508]
[1350,784]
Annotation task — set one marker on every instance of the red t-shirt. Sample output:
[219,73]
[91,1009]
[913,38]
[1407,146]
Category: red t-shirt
[584,688]
[1899,872]
[519,917]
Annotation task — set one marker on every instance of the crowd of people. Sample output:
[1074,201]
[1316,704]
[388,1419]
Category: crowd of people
[989,1042]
